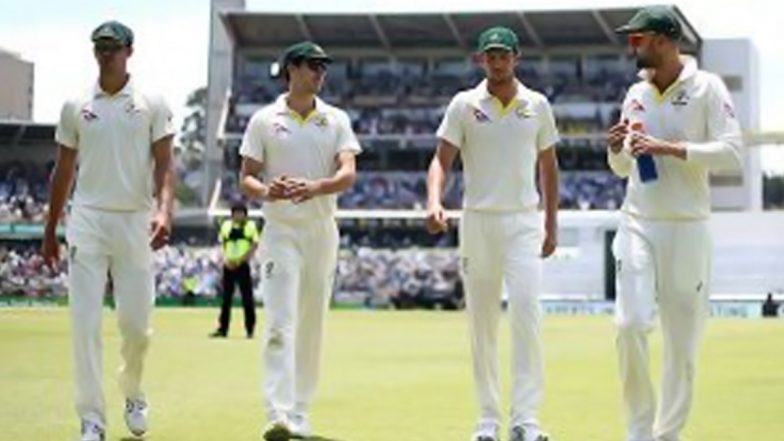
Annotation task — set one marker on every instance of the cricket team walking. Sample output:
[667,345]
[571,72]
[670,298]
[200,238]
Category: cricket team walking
[677,125]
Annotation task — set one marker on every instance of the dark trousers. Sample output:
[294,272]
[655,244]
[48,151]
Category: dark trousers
[238,276]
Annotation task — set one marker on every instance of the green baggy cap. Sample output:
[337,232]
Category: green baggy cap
[658,19]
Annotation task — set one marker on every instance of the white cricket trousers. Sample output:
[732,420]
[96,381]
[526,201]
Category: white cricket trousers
[102,242]
[298,272]
[665,264]
[501,252]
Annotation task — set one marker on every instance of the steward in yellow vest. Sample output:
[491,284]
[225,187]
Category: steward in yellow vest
[239,238]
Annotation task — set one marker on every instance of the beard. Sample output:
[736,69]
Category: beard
[645,61]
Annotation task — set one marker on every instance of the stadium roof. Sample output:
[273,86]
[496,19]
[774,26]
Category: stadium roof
[13,133]
[537,30]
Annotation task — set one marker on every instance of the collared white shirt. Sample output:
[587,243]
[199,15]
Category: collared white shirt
[499,146]
[297,147]
[697,110]
[113,135]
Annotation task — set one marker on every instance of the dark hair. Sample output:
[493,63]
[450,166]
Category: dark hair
[293,62]
[239,206]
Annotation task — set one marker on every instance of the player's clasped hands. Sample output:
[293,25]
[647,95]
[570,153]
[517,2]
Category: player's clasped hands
[278,188]
[297,190]
[301,190]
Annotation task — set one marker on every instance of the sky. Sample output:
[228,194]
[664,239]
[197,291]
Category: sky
[172,41]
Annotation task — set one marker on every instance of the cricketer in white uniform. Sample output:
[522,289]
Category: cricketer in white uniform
[298,153]
[677,125]
[504,132]
[120,138]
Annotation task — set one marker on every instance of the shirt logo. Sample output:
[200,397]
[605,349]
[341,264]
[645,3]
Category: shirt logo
[680,99]
[131,108]
[636,106]
[280,129]
[88,115]
[480,116]
[523,111]
[321,121]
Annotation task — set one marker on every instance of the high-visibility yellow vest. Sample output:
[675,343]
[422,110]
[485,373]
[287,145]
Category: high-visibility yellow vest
[237,240]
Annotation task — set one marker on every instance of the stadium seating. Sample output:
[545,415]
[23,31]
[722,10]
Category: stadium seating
[23,192]
[405,101]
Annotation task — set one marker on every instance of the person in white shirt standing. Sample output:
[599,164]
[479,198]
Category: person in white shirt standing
[120,138]
[298,154]
[504,133]
[677,125]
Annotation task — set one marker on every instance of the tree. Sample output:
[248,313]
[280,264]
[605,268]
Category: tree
[190,148]
[194,126]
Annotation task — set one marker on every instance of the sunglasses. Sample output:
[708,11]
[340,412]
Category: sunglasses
[316,65]
[636,39]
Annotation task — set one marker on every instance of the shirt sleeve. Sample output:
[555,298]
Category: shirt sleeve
[347,139]
[253,140]
[548,132]
[723,150]
[621,163]
[222,233]
[67,133]
[451,128]
[162,120]
[254,231]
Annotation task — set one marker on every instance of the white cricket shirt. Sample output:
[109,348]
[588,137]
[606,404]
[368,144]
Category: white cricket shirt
[499,146]
[289,145]
[697,110]
[113,135]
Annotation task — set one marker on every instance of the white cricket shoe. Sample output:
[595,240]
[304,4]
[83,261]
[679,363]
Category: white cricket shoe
[136,411]
[92,431]
[519,433]
[486,431]
[299,423]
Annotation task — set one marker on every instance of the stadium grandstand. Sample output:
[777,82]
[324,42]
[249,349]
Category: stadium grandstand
[394,73]
[27,157]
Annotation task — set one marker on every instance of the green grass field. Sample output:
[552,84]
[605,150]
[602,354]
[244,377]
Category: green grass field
[389,376]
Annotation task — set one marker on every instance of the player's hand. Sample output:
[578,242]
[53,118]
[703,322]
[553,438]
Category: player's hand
[160,229]
[616,135]
[549,244]
[50,249]
[278,188]
[301,190]
[436,220]
[642,144]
